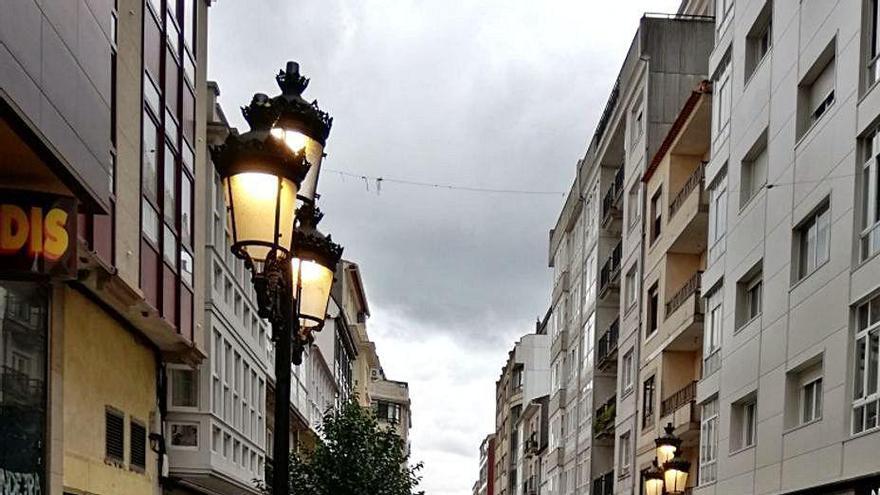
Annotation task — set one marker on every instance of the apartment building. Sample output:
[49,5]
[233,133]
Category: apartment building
[485,484]
[532,426]
[525,377]
[676,227]
[101,220]
[788,389]
[596,253]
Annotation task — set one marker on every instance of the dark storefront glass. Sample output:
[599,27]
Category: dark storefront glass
[23,326]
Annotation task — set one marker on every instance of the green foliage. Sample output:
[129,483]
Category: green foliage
[354,456]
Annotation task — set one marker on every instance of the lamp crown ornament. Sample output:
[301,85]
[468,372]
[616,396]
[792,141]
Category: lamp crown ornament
[297,113]
[260,114]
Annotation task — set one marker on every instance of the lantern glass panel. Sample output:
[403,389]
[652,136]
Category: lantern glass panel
[297,141]
[653,486]
[255,200]
[665,453]
[676,480]
[316,281]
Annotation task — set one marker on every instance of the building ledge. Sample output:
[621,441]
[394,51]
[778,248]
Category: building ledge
[105,284]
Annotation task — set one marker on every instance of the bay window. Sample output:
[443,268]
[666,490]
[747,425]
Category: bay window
[866,396]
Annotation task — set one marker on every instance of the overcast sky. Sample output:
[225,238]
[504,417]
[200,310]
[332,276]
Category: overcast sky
[500,94]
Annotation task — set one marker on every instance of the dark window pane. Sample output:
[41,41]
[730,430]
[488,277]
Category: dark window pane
[152,46]
[189,123]
[189,69]
[186,210]
[169,187]
[188,158]
[150,274]
[172,81]
[189,24]
[149,165]
[171,128]
[169,294]
[151,95]
[169,247]
[186,313]
[138,445]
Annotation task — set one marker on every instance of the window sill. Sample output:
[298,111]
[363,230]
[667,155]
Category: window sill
[626,393]
[801,426]
[743,449]
[746,324]
[755,70]
[860,434]
[807,275]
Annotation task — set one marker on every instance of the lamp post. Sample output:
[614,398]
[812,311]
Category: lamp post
[270,208]
[672,478]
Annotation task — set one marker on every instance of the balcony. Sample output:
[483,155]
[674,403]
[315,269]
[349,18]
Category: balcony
[530,485]
[20,389]
[611,201]
[531,446]
[606,349]
[683,320]
[689,215]
[604,485]
[680,409]
[603,420]
[610,273]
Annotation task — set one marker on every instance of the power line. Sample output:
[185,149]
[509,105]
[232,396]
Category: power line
[377,181]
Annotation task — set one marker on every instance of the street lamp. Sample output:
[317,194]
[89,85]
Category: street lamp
[667,445]
[672,478]
[653,477]
[267,173]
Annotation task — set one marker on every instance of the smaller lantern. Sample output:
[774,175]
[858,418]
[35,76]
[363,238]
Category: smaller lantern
[676,474]
[653,477]
[315,257]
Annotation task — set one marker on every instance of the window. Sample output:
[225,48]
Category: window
[138,447]
[722,14]
[712,332]
[656,215]
[637,125]
[114,435]
[184,388]
[721,101]
[631,285]
[811,401]
[185,435]
[516,381]
[870,200]
[626,376]
[749,297]
[813,240]
[634,204]
[743,423]
[708,441]
[648,390]
[753,176]
[816,90]
[872,11]
[717,214]
[625,454]
[866,396]
[759,39]
[653,310]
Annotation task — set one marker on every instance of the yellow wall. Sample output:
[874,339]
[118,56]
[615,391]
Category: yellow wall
[104,365]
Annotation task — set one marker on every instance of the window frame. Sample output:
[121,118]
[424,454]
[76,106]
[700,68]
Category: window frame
[708,453]
[809,262]
[866,381]
[718,215]
[816,402]
[649,397]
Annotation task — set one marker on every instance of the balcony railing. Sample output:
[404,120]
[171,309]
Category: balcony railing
[607,346]
[691,287]
[611,269]
[693,182]
[19,388]
[615,190]
[679,399]
[603,420]
[530,485]
[604,485]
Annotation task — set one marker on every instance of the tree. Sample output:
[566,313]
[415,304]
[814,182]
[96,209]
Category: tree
[353,456]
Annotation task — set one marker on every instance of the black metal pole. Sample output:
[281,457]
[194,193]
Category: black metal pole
[281,330]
